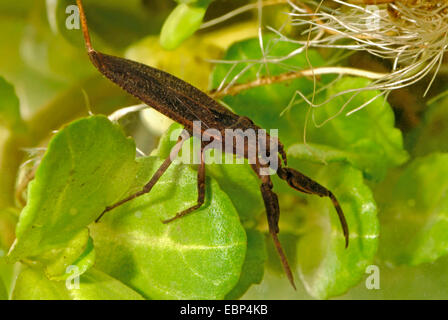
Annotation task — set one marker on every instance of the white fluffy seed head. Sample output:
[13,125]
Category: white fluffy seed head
[411,33]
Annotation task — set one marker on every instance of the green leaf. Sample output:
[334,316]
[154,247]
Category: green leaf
[318,153]
[253,267]
[96,285]
[9,107]
[168,141]
[59,261]
[183,21]
[288,241]
[88,165]
[199,256]
[242,185]
[414,218]
[265,104]
[238,181]
[32,284]
[367,137]
[326,267]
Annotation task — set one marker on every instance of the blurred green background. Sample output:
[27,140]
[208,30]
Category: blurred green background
[56,84]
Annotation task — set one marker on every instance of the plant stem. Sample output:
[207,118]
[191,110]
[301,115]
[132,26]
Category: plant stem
[235,89]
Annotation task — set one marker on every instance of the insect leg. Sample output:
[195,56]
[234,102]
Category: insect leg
[273,214]
[305,184]
[201,192]
[156,176]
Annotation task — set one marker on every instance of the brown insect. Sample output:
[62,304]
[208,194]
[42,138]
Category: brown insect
[185,104]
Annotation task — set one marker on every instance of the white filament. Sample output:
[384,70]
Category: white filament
[412,34]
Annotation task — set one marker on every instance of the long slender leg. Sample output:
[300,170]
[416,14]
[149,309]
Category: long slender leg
[156,176]
[273,214]
[304,184]
[201,192]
